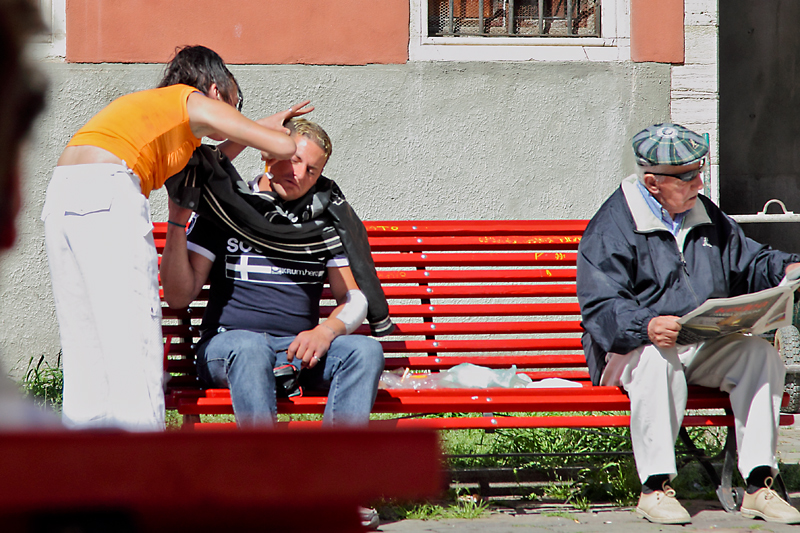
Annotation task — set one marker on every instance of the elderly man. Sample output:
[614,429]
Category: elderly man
[654,251]
[263,309]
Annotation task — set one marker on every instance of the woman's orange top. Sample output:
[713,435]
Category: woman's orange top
[149,130]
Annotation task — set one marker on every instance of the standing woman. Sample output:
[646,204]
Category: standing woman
[99,238]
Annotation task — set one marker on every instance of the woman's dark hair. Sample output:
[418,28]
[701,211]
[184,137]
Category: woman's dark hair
[200,67]
[22,93]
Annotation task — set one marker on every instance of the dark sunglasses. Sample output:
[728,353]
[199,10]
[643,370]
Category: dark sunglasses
[685,176]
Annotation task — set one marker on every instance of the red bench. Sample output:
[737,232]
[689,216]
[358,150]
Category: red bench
[208,482]
[492,293]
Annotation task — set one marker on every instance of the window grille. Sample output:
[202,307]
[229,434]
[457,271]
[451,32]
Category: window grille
[514,18]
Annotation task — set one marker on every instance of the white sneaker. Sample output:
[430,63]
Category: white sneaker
[661,507]
[369,518]
[765,503]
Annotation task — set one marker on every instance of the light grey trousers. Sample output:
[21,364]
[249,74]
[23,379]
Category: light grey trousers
[104,273]
[748,368]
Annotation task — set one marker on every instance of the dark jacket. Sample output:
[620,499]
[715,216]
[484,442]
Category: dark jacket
[632,269]
[211,186]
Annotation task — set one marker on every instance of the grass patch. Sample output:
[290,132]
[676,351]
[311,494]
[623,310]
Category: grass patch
[44,383]
[590,478]
[487,448]
[462,506]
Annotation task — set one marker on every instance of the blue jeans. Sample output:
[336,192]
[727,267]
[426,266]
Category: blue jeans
[243,361]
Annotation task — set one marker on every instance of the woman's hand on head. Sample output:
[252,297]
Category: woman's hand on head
[277,121]
[213,118]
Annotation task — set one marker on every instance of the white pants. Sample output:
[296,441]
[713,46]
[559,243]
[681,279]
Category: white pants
[104,270]
[747,368]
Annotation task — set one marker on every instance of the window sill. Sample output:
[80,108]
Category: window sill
[519,49]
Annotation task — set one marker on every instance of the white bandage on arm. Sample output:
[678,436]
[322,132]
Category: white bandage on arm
[354,310]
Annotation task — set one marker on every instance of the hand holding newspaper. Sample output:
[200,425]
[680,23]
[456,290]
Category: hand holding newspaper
[754,313]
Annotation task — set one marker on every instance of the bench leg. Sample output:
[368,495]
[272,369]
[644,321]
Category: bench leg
[190,420]
[780,487]
[730,497]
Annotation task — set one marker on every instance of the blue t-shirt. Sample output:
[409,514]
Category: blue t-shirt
[258,291]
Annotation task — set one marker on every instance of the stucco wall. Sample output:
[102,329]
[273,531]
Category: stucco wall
[422,140]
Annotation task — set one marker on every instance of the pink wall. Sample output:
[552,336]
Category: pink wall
[316,32]
[657,31]
[327,32]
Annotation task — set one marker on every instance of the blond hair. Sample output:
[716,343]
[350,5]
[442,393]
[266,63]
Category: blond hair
[313,131]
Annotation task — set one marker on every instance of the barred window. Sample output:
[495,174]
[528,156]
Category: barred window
[514,18]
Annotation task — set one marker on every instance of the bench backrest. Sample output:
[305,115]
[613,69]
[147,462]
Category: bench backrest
[493,293]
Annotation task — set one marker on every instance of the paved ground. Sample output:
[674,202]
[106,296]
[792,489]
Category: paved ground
[706,515]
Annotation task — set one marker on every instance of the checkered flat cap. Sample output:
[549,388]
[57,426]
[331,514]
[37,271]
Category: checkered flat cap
[668,144]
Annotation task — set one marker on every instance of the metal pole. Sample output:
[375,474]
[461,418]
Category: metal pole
[598,10]
[511,17]
[450,17]
[569,17]
[480,17]
[541,17]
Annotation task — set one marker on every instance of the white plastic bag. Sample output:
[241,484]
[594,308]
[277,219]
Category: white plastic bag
[469,376]
[463,376]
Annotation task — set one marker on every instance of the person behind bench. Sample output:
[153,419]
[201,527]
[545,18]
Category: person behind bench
[654,251]
[263,307]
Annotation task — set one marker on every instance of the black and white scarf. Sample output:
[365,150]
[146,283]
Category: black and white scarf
[321,222]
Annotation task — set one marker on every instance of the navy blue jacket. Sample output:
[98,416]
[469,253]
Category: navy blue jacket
[632,269]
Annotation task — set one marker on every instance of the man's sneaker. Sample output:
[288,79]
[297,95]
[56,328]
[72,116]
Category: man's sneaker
[767,504]
[661,507]
[369,518]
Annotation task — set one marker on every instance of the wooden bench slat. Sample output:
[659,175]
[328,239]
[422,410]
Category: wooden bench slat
[502,345]
[482,328]
[564,362]
[442,362]
[472,275]
[441,328]
[461,260]
[479,244]
[482,291]
[475,400]
[475,227]
[531,422]
[482,310]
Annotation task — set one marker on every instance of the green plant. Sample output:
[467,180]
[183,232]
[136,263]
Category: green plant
[710,439]
[492,449]
[560,490]
[173,420]
[463,506]
[468,506]
[460,509]
[44,382]
[425,511]
[614,481]
[570,492]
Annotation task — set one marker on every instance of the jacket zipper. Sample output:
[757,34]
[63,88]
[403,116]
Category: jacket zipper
[686,274]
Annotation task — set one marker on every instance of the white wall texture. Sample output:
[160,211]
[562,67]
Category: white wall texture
[425,140]
[695,84]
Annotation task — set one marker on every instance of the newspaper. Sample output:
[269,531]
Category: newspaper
[753,313]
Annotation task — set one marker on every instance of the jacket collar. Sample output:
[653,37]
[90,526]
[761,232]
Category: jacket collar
[644,219]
